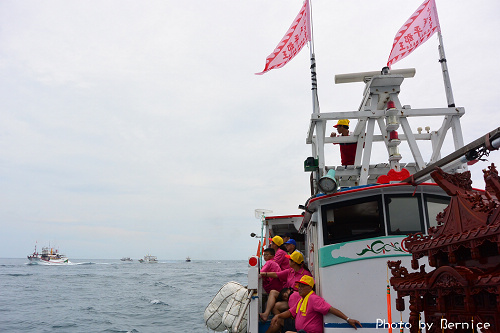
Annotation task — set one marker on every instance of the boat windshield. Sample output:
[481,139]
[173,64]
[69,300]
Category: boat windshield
[356,219]
[404,214]
[435,205]
[377,215]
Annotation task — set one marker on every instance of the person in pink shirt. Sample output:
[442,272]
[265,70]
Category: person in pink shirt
[270,266]
[310,309]
[280,256]
[282,324]
[297,269]
[289,277]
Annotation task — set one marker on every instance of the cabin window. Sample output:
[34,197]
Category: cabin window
[435,205]
[352,220]
[404,214]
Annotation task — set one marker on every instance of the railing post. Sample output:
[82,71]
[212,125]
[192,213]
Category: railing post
[254,286]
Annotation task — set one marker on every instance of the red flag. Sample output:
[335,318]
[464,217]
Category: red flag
[419,28]
[297,36]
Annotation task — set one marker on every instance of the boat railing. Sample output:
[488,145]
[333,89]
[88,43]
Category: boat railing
[255,295]
[349,175]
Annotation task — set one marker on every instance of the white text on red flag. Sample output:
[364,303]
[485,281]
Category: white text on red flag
[419,28]
[296,37]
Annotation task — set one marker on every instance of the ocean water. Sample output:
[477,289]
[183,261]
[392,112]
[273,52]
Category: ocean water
[111,295]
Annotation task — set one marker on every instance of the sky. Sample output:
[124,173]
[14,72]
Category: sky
[129,128]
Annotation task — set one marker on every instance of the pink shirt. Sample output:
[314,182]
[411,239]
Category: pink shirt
[280,258]
[312,322]
[293,300]
[290,277]
[269,283]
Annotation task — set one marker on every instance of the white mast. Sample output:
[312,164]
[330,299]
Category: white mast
[317,146]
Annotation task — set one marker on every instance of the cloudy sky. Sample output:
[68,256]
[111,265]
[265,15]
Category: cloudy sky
[134,127]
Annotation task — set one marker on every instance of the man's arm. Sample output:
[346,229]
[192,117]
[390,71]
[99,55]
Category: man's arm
[341,315]
[269,274]
[283,315]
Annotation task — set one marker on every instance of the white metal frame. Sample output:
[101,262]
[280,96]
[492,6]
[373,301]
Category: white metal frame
[379,89]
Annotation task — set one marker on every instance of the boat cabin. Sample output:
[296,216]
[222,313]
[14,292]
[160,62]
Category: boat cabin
[347,238]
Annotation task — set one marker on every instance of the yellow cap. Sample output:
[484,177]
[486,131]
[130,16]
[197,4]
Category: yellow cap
[277,240]
[344,122]
[306,279]
[296,256]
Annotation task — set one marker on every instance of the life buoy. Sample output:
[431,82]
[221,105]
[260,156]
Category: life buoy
[233,310]
[216,308]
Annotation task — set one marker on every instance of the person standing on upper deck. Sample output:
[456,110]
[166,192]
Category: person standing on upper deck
[280,256]
[348,149]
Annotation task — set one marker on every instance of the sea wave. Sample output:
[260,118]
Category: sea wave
[107,296]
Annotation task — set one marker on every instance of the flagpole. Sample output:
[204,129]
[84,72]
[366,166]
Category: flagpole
[446,75]
[456,128]
[320,126]
[314,82]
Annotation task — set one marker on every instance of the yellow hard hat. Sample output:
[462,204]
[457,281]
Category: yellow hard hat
[277,240]
[306,279]
[344,122]
[296,256]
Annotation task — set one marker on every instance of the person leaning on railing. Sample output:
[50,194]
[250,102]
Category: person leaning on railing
[270,284]
[347,149]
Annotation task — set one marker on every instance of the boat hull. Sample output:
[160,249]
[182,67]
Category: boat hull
[40,261]
[149,260]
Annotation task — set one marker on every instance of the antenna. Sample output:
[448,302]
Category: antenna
[366,76]
[259,213]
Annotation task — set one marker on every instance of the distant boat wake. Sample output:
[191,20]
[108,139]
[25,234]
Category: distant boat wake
[69,263]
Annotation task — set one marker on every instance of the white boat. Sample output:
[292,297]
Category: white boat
[148,260]
[49,256]
[356,221]
[357,217]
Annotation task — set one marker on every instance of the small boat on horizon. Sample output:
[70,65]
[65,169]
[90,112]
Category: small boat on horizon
[188,259]
[149,259]
[49,256]
[126,259]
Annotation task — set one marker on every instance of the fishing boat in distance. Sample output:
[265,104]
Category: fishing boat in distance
[49,256]
[188,259]
[149,260]
[126,259]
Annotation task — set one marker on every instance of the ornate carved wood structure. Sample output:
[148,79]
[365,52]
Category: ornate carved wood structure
[464,250]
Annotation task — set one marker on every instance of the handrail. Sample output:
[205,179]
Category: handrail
[242,312]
